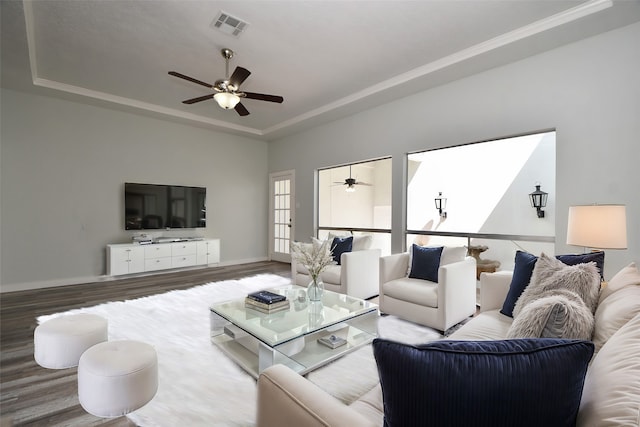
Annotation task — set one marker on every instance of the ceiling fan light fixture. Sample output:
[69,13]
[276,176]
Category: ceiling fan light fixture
[226,100]
[350,188]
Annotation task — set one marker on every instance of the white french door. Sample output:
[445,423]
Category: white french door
[281,214]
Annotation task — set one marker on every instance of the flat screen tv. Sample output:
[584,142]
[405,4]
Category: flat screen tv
[154,206]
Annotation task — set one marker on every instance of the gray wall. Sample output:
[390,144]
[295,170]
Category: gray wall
[62,175]
[589,91]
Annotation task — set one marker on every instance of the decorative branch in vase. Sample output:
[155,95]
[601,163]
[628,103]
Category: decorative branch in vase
[315,257]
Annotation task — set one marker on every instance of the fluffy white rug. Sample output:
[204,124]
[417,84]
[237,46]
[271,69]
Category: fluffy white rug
[198,384]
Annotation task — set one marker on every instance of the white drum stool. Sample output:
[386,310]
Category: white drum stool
[59,342]
[117,377]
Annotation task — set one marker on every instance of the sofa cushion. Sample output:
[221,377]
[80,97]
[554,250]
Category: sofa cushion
[612,386]
[339,246]
[460,383]
[614,312]
[425,262]
[488,325]
[628,276]
[551,275]
[523,269]
[417,291]
[370,406]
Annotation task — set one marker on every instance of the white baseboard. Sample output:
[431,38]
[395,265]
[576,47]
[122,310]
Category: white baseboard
[43,284]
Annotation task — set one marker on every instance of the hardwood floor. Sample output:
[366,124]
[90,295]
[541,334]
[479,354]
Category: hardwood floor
[35,396]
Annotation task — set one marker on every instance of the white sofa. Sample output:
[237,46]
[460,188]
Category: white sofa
[611,394]
[356,276]
[438,305]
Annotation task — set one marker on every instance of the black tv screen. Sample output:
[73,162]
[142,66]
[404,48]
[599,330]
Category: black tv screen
[154,206]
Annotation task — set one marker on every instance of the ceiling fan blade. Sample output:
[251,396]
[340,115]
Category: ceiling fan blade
[239,75]
[198,99]
[241,109]
[263,97]
[191,79]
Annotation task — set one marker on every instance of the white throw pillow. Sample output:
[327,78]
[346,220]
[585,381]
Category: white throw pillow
[362,242]
[614,312]
[451,254]
[611,394]
[628,276]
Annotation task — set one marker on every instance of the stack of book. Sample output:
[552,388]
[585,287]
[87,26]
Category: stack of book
[266,302]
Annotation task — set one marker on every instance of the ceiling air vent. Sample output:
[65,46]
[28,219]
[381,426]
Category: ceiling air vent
[229,24]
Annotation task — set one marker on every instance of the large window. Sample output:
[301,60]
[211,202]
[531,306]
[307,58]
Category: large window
[356,198]
[486,186]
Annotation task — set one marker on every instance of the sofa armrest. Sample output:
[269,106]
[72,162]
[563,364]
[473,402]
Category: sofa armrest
[494,288]
[393,267]
[288,399]
[359,273]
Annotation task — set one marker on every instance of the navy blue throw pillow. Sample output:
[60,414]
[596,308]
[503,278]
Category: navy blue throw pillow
[597,257]
[339,246]
[523,269]
[523,382]
[425,262]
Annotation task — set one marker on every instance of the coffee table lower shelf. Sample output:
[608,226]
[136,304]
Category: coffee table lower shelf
[302,354]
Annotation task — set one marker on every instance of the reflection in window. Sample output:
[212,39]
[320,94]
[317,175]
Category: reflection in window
[356,196]
[487,186]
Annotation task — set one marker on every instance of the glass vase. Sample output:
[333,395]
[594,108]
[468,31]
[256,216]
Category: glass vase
[315,290]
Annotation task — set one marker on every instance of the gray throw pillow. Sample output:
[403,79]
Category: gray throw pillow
[561,314]
[550,274]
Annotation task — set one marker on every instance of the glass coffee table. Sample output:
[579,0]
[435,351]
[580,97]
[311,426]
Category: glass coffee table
[257,340]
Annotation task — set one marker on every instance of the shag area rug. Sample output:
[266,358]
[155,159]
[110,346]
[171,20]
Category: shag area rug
[198,384]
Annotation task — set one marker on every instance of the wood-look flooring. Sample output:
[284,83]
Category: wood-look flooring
[35,396]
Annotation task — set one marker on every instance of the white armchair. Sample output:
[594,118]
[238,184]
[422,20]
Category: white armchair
[438,305]
[356,276]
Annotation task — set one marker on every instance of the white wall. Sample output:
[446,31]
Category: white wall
[588,91]
[63,169]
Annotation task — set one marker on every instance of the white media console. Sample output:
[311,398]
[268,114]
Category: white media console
[128,258]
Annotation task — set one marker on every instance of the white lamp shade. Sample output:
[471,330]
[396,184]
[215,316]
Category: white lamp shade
[598,226]
[226,100]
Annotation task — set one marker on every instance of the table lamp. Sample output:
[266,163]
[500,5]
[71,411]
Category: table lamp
[597,226]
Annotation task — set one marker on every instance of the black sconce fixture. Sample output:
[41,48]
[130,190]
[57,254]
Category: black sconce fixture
[538,200]
[441,205]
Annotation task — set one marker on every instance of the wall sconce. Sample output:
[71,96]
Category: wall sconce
[441,205]
[538,200]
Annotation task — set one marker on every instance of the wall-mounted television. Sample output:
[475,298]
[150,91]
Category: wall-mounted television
[156,207]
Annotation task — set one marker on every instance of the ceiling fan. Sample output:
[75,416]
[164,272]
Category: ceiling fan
[227,91]
[351,183]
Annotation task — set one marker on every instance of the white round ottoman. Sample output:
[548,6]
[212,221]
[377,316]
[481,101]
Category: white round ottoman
[59,342]
[117,377]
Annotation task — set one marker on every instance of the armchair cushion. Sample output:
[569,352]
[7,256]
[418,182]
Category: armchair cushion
[331,274]
[456,383]
[425,262]
[416,291]
[339,246]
